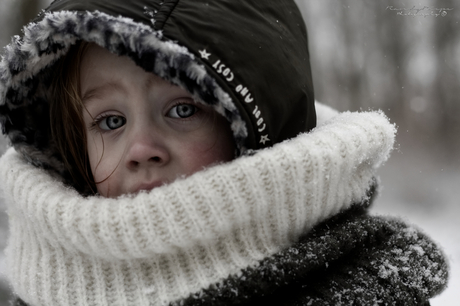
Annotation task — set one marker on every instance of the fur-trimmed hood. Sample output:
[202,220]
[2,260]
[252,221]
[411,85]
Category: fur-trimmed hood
[249,59]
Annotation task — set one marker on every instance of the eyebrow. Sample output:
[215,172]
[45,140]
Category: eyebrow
[95,91]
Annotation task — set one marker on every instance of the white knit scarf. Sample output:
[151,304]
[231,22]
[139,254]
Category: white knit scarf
[161,246]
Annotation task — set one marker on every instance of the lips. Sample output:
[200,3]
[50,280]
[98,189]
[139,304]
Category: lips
[148,186]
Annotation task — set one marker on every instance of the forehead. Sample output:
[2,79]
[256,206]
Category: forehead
[102,72]
[99,65]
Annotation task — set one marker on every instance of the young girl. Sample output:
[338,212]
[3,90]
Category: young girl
[161,157]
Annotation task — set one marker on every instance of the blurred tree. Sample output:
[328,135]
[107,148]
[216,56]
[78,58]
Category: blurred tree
[446,83]
[28,10]
[402,56]
[15,14]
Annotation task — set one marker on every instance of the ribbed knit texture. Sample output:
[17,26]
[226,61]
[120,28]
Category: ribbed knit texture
[156,247]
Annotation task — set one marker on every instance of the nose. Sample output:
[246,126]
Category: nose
[146,149]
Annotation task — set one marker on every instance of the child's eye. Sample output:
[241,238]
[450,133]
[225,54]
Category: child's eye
[111,122]
[182,111]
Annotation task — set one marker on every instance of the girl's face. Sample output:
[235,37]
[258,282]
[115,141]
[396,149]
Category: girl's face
[142,131]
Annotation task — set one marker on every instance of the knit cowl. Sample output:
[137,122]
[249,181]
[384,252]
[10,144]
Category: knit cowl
[162,246]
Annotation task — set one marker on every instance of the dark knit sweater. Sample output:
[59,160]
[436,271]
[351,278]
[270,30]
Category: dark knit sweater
[354,259]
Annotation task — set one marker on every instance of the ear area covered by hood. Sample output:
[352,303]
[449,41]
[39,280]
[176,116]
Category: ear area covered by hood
[247,59]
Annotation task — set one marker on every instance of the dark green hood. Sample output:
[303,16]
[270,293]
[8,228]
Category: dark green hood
[249,59]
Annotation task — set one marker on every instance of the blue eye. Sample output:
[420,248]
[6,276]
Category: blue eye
[111,122]
[182,111]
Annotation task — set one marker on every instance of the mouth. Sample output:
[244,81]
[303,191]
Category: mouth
[148,186]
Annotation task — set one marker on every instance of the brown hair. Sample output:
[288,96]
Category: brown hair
[66,119]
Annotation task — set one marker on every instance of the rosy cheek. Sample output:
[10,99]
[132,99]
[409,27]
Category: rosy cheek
[203,154]
[104,170]
[94,151]
[102,190]
[109,186]
[215,145]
